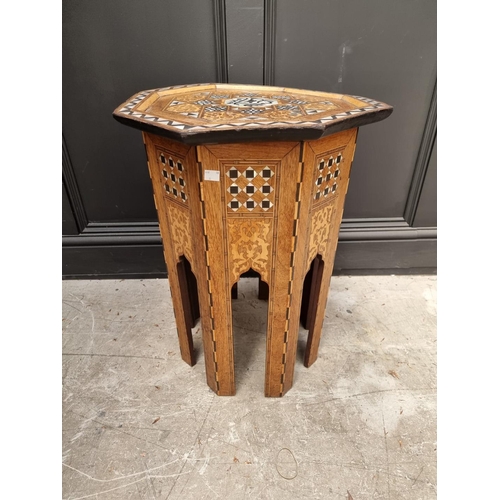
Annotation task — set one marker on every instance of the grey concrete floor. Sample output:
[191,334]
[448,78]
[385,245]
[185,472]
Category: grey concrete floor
[139,423]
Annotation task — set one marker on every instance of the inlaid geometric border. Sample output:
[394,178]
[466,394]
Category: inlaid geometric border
[291,280]
[128,110]
[209,281]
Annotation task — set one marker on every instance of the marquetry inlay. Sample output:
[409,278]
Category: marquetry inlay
[292,283]
[250,188]
[328,172]
[320,231]
[172,171]
[250,244]
[180,231]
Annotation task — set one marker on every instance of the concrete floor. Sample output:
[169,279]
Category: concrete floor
[139,423]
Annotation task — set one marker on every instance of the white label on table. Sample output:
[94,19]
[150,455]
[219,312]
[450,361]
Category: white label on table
[212,175]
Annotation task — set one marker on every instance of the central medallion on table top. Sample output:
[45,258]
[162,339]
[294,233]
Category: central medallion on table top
[231,106]
[250,102]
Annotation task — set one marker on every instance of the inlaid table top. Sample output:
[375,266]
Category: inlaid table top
[215,112]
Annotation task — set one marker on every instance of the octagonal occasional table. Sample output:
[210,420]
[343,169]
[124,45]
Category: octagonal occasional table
[249,177]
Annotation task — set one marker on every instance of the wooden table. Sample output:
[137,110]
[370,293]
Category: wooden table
[249,177]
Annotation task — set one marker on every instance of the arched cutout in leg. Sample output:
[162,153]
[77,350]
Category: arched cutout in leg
[263,290]
[306,298]
[249,321]
[309,308]
[190,303]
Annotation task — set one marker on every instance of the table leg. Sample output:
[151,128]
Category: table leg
[333,167]
[189,292]
[310,293]
[217,290]
[174,199]
[285,285]
[283,327]
[183,311]
[321,276]
[192,287]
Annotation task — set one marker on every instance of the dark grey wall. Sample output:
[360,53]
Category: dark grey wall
[245,41]
[426,215]
[112,49]
[385,50]
[68,220]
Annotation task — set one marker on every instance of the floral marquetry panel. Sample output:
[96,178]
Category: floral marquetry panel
[180,230]
[319,236]
[250,244]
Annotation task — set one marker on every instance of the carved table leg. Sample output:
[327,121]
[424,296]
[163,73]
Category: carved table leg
[192,292]
[332,158]
[167,163]
[310,295]
[285,286]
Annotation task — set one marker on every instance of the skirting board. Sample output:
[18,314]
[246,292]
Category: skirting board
[406,256]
